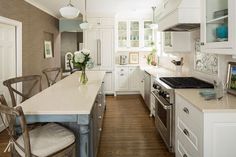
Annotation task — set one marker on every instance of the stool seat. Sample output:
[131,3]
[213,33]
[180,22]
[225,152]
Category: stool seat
[47,140]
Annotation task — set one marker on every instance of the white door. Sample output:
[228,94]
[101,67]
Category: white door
[7,58]
[106,36]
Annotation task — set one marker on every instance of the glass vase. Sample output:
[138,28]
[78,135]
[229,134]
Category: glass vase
[83,77]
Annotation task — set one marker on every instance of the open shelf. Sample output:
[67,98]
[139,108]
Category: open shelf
[217,19]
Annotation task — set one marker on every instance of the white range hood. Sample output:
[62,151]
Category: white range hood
[178,15]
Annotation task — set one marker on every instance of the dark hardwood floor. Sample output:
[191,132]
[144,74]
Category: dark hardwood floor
[127,131]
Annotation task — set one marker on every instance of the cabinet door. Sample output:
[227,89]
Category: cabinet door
[218,24]
[141,85]
[133,79]
[134,31]
[108,83]
[147,34]
[122,34]
[167,41]
[107,48]
[122,79]
[91,42]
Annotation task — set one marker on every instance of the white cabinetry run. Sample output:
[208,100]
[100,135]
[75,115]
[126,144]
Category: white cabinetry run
[127,78]
[203,134]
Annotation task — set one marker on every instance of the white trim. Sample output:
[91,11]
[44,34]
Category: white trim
[18,26]
[41,7]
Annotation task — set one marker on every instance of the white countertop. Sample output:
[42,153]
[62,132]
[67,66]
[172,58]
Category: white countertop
[161,72]
[66,96]
[226,104]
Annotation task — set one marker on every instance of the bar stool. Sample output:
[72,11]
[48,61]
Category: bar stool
[31,81]
[52,75]
[50,140]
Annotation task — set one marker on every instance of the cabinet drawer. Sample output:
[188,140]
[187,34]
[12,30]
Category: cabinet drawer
[182,150]
[191,135]
[188,114]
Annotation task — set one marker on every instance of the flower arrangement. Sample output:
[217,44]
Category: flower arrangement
[82,60]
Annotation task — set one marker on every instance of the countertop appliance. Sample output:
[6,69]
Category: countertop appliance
[164,93]
[123,60]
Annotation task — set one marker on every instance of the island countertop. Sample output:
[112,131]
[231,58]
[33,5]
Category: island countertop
[66,97]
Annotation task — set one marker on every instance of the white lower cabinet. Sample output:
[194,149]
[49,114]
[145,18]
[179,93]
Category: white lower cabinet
[109,83]
[203,134]
[127,78]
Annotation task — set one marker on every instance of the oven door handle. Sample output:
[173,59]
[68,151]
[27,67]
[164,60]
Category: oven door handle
[162,104]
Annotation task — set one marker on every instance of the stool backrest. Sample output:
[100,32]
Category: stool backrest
[52,75]
[11,113]
[34,80]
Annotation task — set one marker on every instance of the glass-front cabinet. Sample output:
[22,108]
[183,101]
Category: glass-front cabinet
[218,26]
[122,34]
[134,35]
[148,34]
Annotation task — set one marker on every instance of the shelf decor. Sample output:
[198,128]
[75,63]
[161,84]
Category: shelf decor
[133,57]
[48,49]
[82,60]
[231,78]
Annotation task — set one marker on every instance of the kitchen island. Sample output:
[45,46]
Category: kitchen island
[78,107]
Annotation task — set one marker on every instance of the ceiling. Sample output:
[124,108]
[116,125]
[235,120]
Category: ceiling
[103,7]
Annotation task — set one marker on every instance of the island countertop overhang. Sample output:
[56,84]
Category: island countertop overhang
[66,97]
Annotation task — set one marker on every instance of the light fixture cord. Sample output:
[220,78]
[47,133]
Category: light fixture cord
[85,10]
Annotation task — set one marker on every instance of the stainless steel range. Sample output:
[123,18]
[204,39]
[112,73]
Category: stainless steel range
[165,100]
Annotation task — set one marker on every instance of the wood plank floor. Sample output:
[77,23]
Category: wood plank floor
[127,131]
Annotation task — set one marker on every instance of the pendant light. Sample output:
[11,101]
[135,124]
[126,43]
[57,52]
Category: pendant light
[69,11]
[85,24]
[153,25]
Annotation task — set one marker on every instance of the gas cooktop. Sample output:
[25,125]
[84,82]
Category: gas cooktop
[186,82]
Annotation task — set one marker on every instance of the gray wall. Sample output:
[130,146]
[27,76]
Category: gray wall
[35,23]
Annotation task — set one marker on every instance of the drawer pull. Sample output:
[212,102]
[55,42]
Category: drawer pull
[186,132]
[186,110]
[121,69]
[99,105]
[121,74]
[185,155]
[100,129]
[99,117]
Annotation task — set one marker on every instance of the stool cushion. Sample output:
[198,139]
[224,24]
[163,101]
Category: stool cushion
[47,140]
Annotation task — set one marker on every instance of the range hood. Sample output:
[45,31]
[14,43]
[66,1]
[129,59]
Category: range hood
[179,15]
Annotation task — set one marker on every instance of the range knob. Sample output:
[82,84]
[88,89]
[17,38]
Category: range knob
[156,86]
[167,95]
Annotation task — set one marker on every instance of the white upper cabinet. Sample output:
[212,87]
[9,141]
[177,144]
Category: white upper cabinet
[176,41]
[133,35]
[97,22]
[218,26]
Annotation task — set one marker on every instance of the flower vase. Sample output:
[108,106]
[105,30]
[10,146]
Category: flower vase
[83,77]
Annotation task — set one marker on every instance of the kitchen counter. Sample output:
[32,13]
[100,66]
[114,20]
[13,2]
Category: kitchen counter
[226,104]
[66,96]
[160,71]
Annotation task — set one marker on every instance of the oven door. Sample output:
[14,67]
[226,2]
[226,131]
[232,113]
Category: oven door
[163,119]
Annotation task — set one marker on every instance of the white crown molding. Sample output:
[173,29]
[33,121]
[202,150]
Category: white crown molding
[41,7]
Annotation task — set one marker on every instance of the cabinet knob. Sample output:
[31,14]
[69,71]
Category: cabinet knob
[202,43]
[121,74]
[100,129]
[185,109]
[98,23]
[121,69]
[185,155]
[99,105]
[186,132]
[99,117]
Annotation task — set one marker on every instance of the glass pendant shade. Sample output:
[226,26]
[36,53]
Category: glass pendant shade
[69,12]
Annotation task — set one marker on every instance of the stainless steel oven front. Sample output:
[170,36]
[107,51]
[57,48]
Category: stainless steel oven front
[164,118]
